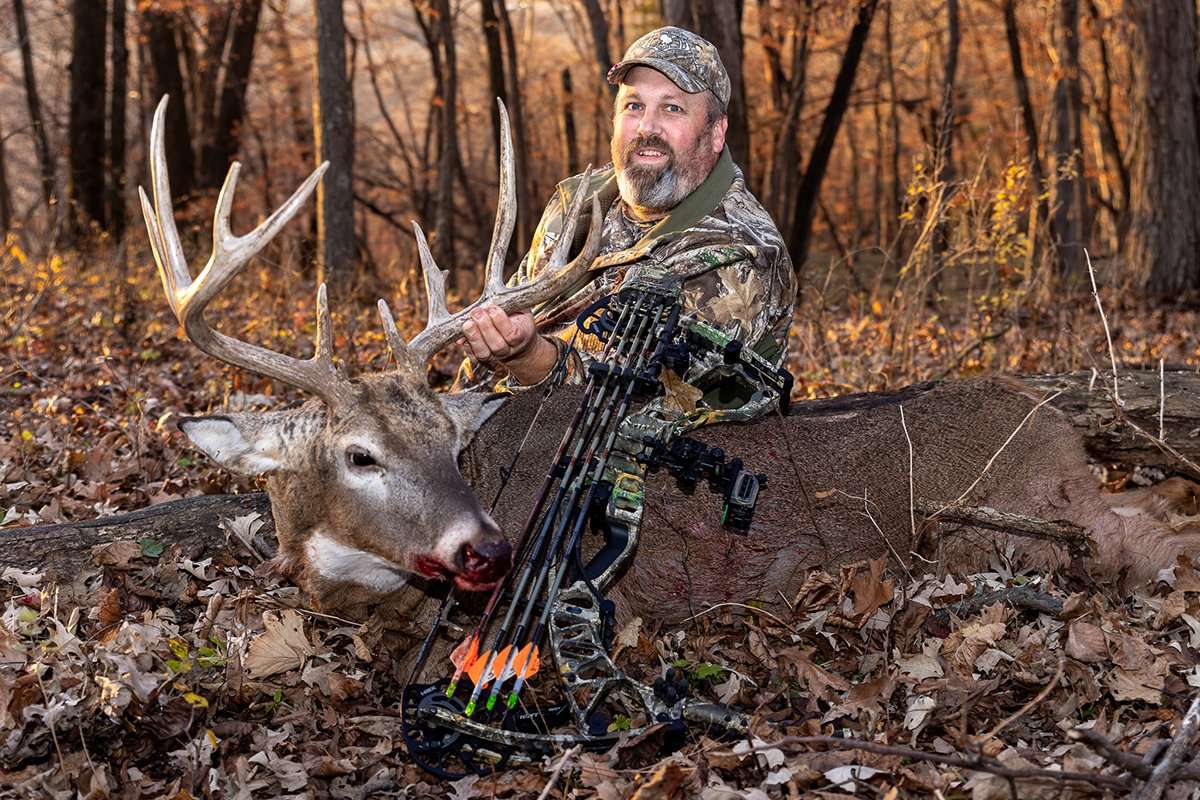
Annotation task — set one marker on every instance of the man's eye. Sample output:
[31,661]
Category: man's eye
[360,458]
[674,109]
[632,106]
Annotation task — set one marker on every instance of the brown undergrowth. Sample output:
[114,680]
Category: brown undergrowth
[156,675]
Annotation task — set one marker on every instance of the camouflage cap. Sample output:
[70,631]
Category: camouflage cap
[690,61]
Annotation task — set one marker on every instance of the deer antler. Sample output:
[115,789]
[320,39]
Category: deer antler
[554,275]
[230,253]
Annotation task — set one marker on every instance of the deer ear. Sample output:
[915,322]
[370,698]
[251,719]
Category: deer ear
[469,410]
[248,443]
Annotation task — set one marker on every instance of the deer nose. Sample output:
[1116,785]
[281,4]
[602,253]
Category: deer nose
[486,561]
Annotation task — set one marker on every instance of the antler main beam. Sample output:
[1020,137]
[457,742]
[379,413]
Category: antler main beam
[553,276]
[188,298]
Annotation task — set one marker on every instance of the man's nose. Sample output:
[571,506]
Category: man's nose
[649,123]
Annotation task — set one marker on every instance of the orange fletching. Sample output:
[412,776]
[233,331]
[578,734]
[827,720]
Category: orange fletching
[466,654]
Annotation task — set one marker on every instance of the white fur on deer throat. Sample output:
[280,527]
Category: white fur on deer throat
[337,561]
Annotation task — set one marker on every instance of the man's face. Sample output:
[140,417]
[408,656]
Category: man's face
[663,145]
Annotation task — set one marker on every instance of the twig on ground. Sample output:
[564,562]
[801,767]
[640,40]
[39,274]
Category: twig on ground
[1022,597]
[1165,770]
[567,756]
[1102,745]
[976,763]
[1073,537]
[1107,335]
[1062,665]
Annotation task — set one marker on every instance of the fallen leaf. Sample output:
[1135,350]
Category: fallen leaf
[1086,642]
[282,647]
[678,395]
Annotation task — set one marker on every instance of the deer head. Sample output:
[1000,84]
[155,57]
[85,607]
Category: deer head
[363,477]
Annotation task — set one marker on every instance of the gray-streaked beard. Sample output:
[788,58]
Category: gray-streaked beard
[658,189]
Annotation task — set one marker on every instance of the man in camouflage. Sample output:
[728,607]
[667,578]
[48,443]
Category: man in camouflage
[674,204]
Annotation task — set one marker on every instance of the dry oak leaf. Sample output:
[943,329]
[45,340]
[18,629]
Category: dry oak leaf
[969,642]
[817,681]
[283,646]
[678,394]
[741,302]
[116,554]
[870,589]
[1145,683]
[1086,642]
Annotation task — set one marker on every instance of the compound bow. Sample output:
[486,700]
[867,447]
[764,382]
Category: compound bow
[551,597]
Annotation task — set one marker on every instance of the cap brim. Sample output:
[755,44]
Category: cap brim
[675,74]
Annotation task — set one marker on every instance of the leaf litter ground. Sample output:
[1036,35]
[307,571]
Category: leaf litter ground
[157,673]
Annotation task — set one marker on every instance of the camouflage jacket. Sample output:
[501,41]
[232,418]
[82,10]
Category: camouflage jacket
[719,242]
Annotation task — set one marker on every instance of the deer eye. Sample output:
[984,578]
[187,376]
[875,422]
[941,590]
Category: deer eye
[360,458]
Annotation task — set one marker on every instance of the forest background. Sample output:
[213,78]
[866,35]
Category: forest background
[938,170]
[955,180]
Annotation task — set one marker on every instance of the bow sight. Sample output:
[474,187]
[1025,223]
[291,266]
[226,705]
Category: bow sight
[478,719]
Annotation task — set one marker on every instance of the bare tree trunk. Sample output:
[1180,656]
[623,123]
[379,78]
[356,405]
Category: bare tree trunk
[231,103]
[5,193]
[495,57]
[1070,199]
[1029,120]
[1101,108]
[116,121]
[893,115]
[800,229]
[443,245]
[944,149]
[570,146]
[599,28]
[526,213]
[784,171]
[1164,207]
[161,35]
[333,127]
[85,131]
[40,138]
[720,22]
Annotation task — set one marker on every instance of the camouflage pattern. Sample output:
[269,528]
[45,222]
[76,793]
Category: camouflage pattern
[690,61]
[719,243]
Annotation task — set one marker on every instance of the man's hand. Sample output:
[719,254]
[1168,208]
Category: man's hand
[512,341]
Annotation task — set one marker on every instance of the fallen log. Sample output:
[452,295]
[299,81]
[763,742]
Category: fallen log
[1133,438]
[1085,399]
[62,550]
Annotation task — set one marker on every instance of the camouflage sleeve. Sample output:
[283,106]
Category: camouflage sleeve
[742,291]
[747,294]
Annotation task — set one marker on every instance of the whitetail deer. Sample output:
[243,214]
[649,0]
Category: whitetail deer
[366,490]
[364,485]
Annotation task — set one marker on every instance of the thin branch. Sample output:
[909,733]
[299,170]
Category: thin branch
[1107,335]
[975,763]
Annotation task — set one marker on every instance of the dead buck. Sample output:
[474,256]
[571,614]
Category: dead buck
[366,489]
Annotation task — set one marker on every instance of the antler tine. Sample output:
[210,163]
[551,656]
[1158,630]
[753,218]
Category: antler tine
[506,209]
[188,298]
[549,282]
[435,281]
[401,352]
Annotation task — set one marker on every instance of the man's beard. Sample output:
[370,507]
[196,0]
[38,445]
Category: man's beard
[660,188]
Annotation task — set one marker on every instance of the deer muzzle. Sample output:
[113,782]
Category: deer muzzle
[484,563]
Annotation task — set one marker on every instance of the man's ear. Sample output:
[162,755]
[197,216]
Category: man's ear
[252,443]
[719,129]
[469,410]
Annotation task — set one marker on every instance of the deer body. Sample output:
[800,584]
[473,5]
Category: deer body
[838,491]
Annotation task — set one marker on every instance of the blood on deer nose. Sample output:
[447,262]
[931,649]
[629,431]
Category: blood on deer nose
[486,561]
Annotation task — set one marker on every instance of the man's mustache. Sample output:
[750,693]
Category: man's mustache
[651,141]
